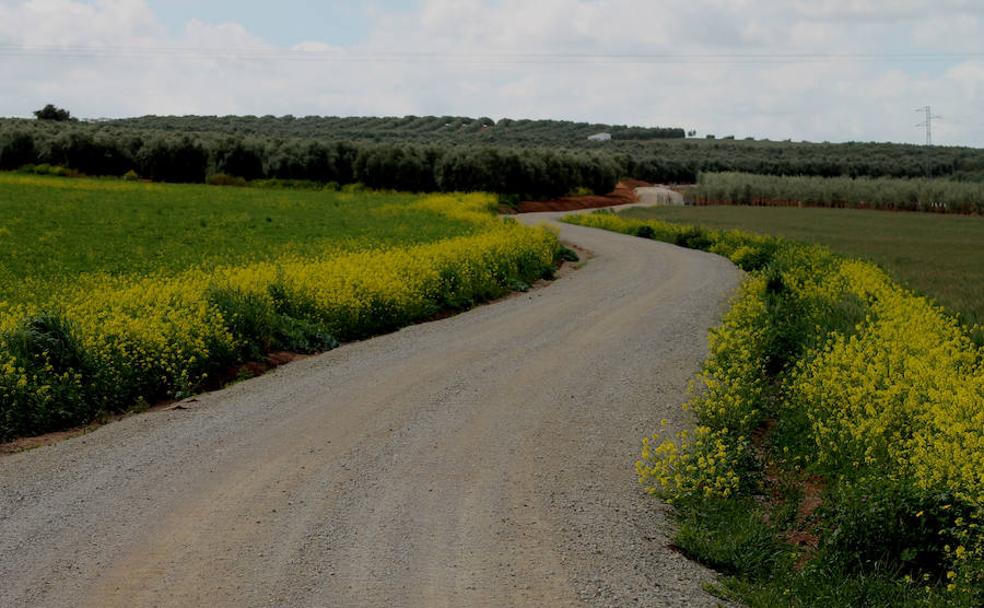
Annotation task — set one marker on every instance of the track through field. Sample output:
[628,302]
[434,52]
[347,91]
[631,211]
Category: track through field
[481,460]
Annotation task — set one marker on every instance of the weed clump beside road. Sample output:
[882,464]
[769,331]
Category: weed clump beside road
[838,455]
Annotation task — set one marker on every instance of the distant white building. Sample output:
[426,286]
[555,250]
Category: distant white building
[600,137]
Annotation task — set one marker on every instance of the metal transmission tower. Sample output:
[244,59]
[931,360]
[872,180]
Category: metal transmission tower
[928,123]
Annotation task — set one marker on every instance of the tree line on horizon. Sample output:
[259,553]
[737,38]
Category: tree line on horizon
[417,129]
[402,157]
[916,194]
[192,158]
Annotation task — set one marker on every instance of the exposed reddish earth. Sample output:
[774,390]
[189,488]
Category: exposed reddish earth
[623,194]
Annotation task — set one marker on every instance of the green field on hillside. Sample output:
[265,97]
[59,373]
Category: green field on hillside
[941,256]
[52,229]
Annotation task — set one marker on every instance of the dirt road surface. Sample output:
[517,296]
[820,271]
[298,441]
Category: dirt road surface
[480,460]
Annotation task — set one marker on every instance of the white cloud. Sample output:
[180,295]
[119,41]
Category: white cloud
[68,23]
[513,58]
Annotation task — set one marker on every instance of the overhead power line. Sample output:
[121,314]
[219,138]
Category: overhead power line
[346,56]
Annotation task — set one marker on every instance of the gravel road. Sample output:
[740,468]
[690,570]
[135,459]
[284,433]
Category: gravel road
[480,460]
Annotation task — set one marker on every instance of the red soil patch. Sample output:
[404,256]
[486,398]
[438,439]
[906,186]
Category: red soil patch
[632,183]
[802,533]
[623,194]
[29,443]
[250,369]
[812,490]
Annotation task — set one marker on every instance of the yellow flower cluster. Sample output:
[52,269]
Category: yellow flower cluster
[905,392]
[708,461]
[903,396]
[363,292]
[605,221]
[698,463]
[733,378]
[160,335]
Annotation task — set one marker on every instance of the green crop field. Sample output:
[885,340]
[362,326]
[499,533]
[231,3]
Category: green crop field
[941,256]
[115,294]
[53,229]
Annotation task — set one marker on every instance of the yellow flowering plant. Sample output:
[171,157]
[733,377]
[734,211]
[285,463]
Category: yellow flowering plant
[846,375]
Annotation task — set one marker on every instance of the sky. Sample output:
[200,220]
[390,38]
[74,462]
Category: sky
[818,70]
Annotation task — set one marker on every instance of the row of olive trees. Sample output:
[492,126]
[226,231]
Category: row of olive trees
[415,156]
[915,194]
[444,129]
[645,145]
[173,157]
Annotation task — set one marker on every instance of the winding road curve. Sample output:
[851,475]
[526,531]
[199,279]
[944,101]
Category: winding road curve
[480,460]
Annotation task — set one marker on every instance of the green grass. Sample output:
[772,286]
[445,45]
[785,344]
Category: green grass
[53,229]
[941,256]
[760,570]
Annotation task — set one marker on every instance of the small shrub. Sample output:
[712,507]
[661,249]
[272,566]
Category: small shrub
[883,524]
[258,327]
[50,338]
[509,200]
[517,285]
[250,318]
[54,114]
[286,184]
[750,258]
[50,170]
[303,336]
[49,393]
[565,254]
[222,179]
[693,238]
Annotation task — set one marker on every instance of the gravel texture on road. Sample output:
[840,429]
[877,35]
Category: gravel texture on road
[481,460]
